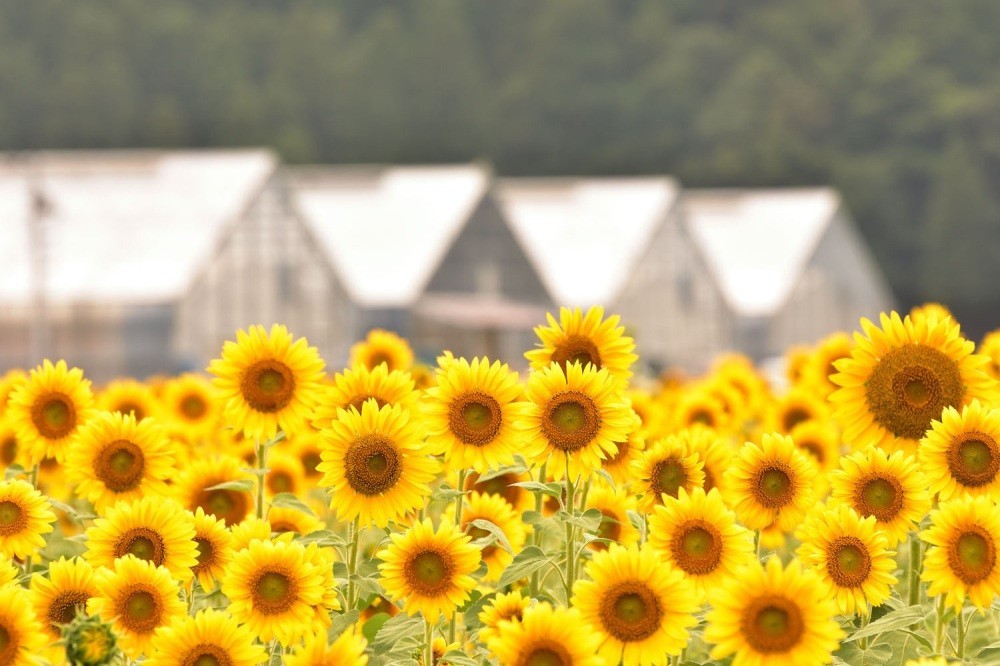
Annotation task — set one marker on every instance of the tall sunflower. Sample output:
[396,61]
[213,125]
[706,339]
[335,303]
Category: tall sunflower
[136,597]
[664,468]
[127,396]
[25,516]
[576,416]
[274,590]
[48,409]
[851,557]
[196,487]
[960,454]
[381,347]
[153,529]
[900,377]
[117,458]
[470,413]
[355,386]
[22,637]
[640,609]
[494,509]
[215,549]
[504,607]
[210,637]
[546,635]
[587,339]
[429,571]
[773,616]
[375,464]
[698,535]
[890,488]
[268,381]
[961,560]
[58,598]
[770,482]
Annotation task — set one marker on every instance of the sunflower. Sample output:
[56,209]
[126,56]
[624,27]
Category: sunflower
[267,381]
[960,454]
[796,359]
[546,635]
[502,485]
[639,608]
[22,636]
[614,505]
[820,440]
[739,372]
[348,648]
[90,642]
[117,457]
[25,515]
[355,386]
[901,377]
[192,403]
[215,549]
[48,409]
[288,519]
[652,416]
[666,466]
[470,413]
[699,407]
[699,536]
[154,529]
[58,598]
[714,450]
[502,608]
[851,557]
[127,396]
[771,481]
[796,407]
[194,488]
[10,452]
[9,572]
[619,465]
[375,464]
[587,339]
[962,558]
[494,509]
[990,346]
[10,381]
[285,473]
[382,347]
[430,572]
[323,559]
[773,616]
[891,488]
[274,590]
[307,446]
[928,310]
[210,637]
[579,413]
[137,598]
[821,366]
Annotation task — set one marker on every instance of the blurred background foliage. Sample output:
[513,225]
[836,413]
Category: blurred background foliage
[895,103]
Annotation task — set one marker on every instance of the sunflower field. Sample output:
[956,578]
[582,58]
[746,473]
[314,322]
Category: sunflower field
[392,513]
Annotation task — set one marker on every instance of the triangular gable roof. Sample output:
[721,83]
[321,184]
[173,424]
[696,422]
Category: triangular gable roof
[121,226]
[385,229]
[757,242]
[585,235]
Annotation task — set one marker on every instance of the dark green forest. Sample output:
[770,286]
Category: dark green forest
[894,102]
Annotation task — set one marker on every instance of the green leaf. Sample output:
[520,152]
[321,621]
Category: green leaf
[525,563]
[374,625]
[240,485]
[446,493]
[323,538]
[341,622]
[532,518]
[395,629]
[876,655]
[606,475]
[495,531]
[290,501]
[897,619]
[368,586]
[456,658]
[638,522]
[472,612]
[274,440]
[509,469]
[13,471]
[553,489]
[588,521]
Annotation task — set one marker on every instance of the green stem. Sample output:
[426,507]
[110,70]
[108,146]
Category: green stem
[939,626]
[261,474]
[960,630]
[352,561]
[459,501]
[451,628]
[756,544]
[570,505]
[913,597]
[33,477]
[536,534]
[429,640]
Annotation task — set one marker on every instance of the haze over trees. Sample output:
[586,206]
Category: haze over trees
[895,103]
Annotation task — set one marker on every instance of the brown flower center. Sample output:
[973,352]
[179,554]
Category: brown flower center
[128,407]
[429,572]
[972,555]
[772,624]
[54,415]
[911,386]
[65,606]
[280,481]
[794,416]
[697,547]
[12,518]
[206,554]
[479,533]
[230,506]
[576,349]
[268,385]
[773,486]
[140,609]
[359,400]
[668,476]
[119,465]
[373,464]
[8,451]
[610,528]
[848,562]
[193,406]
[878,496]
[974,459]
[497,485]
[475,418]
[546,653]
[570,421]
[630,611]
[274,592]
[144,543]
[206,654]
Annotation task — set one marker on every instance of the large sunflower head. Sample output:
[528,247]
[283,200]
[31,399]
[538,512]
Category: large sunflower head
[117,458]
[850,555]
[494,509]
[469,414]
[127,396]
[576,415]
[375,464]
[960,454]
[60,596]
[48,409]
[22,636]
[504,607]
[215,548]
[273,589]
[152,529]
[210,638]
[587,339]
[429,571]
[267,381]
[355,386]
[192,404]
[964,537]
[698,535]
[890,488]
[547,636]
[137,598]
[196,487]
[773,615]
[900,377]
[770,482]
[666,466]
[382,347]
[614,505]
[25,516]
[348,648]
[635,604]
